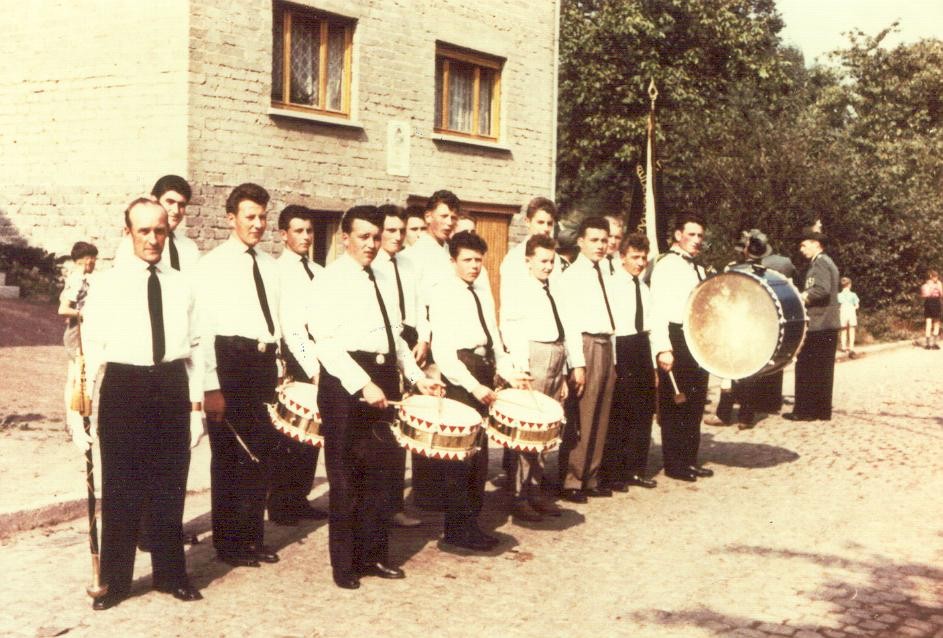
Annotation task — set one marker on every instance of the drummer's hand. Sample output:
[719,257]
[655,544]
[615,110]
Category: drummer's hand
[214,405]
[564,392]
[521,381]
[197,427]
[431,387]
[373,395]
[665,360]
[578,376]
[484,394]
[421,353]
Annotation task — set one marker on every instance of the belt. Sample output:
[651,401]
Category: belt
[364,357]
[480,351]
[598,335]
[160,368]
[244,344]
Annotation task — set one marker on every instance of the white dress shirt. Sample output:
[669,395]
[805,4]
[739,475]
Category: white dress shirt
[297,296]
[673,278]
[228,302]
[117,325]
[346,317]
[527,315]
[514,266]
[456,326]
[623,303]
[187,250]
[384,264]
[583,303]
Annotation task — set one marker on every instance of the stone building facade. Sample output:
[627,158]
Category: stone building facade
[98,98]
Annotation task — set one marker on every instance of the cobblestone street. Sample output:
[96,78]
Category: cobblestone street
[807,529]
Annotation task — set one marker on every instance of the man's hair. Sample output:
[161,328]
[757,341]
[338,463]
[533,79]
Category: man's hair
[143,199]
[248,191]
[291,212]
[682,219]
[538,241]
[82,249]
[845,281]
[599,223]
[541,203]
[415,210]
[637,241]
[467,240]
[392,210]
[448,198]
[365,212]
[172,183]
[617,219]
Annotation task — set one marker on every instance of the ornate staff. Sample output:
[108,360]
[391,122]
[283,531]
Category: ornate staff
[82,404]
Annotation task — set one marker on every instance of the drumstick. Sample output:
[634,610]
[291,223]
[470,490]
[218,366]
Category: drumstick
[679,396]
[239,440]
[388,402]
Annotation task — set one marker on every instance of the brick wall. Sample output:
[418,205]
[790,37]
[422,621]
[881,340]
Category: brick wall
[92,110]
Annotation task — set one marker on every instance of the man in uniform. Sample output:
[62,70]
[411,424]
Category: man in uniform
[815,364]
[139,324]
[586,304]
[674,277]
[238,288]
[625,459]
[294,462]
[357,339]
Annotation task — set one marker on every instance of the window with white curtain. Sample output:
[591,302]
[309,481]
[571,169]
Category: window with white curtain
[467,90]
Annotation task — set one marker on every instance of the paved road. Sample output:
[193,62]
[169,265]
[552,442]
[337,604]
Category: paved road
[812,529]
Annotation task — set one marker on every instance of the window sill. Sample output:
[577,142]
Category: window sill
[470,141]
[315,117]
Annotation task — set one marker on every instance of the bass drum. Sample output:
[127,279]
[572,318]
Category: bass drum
[745,322]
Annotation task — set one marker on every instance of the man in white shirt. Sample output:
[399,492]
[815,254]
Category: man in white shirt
[415,224]
[633,403]
[139,323]
[294,462]
[180,252]
[238,296]
[616,232]
[586,304]
[468,349]
[673,278]
[398,270]
[357,339]
[533,332]
[541,214]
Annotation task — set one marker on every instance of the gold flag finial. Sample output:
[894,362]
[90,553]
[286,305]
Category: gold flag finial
[652,91]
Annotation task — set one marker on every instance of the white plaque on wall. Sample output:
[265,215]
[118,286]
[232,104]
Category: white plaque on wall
[398,133]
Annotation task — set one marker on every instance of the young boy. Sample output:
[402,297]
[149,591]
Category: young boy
[848,315]
[71,301]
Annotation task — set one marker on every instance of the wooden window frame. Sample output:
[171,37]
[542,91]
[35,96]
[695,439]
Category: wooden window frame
[479,61]
[288,10]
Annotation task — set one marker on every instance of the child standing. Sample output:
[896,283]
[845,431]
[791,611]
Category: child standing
[932,292]
[71,301]
[848,315]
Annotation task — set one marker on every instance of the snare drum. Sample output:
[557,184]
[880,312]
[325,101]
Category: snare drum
[437,428]
[525,421]
[745,322]
[296,413]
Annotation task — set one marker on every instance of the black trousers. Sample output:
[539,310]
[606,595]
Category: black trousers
[359,452]
[681,422]
[465,480]
[144,434]
[815,375]
[633,404]
[239,485]
[398,472]
[293,462]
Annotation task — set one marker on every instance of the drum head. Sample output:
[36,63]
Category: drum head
[732,325]
[528,405]
[441,410]
[301,393]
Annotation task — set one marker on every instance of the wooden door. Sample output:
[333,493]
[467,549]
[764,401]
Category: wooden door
[493,228]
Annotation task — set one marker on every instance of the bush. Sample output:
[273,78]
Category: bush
[889,324]
[36,272]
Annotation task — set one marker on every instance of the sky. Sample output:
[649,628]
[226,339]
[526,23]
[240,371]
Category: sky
[816,26]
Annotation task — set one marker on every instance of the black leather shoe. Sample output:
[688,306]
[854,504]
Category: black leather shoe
[185,592]
[524,511]
[597,491]
[347,581]
[382,571]
[106,602]
[700,472]
[641,481]
[618,486]
[574,496]
[283,518]
[309,513]
[263,554]
[237,560]
[682,476]
[792,416]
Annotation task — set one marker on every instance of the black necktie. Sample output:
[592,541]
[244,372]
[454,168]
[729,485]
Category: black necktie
[481,317]
[612,269]
[174,255]
[155,307]
[690,260]
[390,344]
[399,289]
[260,291]
[604,295]
[556,315]
[639,324]
[304,262]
